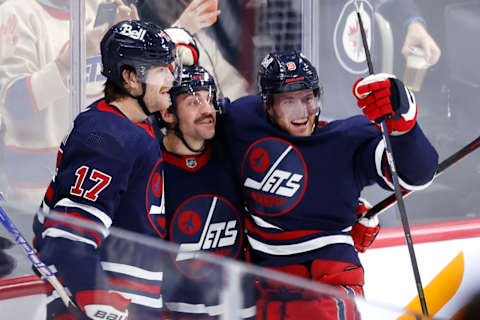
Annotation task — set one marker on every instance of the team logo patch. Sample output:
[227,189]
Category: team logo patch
[291,66]
[206,223]
[154,202]
[274,176]
[347,37]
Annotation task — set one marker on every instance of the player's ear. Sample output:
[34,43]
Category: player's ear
[168,116]
[129,77]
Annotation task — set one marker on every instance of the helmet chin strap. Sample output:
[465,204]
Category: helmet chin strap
[140,100]
[179,134]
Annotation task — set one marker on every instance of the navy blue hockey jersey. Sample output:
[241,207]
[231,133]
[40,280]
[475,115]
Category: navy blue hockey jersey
[108,174]
[204,213]
[302,192]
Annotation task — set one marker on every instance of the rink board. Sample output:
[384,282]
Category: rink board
[448,257]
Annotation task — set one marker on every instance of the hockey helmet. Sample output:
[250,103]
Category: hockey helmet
[191,79]
[137,44]
[285,72]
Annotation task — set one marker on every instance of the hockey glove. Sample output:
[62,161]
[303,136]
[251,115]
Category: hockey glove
[365,230]
[101,304]
[187,50]
[382,96]
[7,263]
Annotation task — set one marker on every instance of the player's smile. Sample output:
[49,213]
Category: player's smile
[299,122]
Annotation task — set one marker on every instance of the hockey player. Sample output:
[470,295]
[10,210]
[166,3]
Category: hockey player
[302,179]
[107,174]
[203,204]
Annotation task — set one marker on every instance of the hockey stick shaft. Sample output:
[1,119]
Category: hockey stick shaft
[451,161]
[43,269]
[396,184]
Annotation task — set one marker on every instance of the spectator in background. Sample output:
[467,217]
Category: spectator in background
[196,18]
[8,41]
[34,89]
[8,37]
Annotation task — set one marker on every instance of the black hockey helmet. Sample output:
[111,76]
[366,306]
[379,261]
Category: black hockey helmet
[191,79]
[285,72]
[137,44]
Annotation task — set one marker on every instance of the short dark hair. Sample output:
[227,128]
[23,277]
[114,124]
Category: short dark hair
[114,90]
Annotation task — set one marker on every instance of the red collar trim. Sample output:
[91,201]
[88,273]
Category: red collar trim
[103,106]
[322,123]
[190,163]
[57,14]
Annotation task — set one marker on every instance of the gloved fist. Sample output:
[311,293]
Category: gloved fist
[102,304]
[7,263]
[365,230]
[187,50]
[381,96]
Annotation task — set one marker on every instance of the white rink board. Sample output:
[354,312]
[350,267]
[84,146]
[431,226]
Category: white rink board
[389,277]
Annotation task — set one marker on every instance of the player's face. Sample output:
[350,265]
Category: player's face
[158,81]
[197,116]
[294,112]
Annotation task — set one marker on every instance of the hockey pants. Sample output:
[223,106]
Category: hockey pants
[279,301]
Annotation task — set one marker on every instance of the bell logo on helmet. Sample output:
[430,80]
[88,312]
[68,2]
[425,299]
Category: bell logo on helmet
[291,66]
[126,30]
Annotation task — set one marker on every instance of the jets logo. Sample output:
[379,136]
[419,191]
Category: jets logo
[274,176]
[207,223]
[154,201]
[347,38]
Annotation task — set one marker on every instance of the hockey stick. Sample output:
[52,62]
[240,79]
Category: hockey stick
[396,184]
[451,161]
[39,265]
